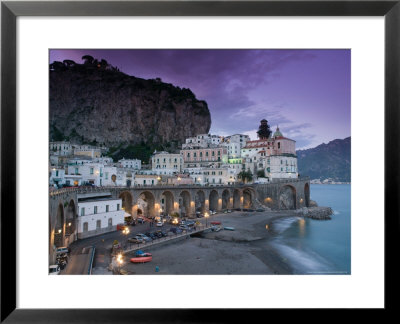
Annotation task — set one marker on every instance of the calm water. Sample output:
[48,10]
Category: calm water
[313,246]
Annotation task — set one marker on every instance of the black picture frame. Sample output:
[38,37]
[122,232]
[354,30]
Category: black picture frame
[10,10]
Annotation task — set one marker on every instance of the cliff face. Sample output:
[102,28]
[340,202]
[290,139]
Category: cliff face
[332,160]
[100,105]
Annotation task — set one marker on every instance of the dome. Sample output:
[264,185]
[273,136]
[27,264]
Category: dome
[278,133]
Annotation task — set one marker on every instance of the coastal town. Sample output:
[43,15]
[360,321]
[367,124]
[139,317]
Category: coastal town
[107,211]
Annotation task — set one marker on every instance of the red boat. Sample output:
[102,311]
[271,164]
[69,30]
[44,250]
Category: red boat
[215,223]
[142,259]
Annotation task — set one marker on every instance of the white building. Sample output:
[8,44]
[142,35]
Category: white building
[234,144]
[106,160]
[147,179]
[202,141]
[275,155]
[98,215]
[94,173]
[57,177]
[164,163]
[61,148]
[130,163]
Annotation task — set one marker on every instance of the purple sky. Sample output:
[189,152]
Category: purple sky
[305,92]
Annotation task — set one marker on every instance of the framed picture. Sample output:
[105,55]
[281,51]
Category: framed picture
[240,57]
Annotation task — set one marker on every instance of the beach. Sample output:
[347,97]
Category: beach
[246,250]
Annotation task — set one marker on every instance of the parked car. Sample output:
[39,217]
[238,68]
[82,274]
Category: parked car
[185,228]
[54,269]
[135,239]
[144,237]
[229,211]
[161,233]
[140,220]
[159,224]
[63,249]
[260,210]
[151,235]
[175,230]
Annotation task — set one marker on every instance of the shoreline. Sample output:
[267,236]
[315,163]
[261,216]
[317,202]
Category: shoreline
[247,250]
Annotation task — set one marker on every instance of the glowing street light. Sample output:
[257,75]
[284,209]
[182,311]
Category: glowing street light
[206,215]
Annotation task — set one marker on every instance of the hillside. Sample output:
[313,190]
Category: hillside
[95,103]
[326,161]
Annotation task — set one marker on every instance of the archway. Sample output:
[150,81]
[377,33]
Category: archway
[114,178]
[199,201]
[127,198]
[248,197]
[225,199]
[71,218]
[213,199]
[307,194]
[184,203]
[236,198]
[287,197]
[167,202]
[59,227]
[146,203]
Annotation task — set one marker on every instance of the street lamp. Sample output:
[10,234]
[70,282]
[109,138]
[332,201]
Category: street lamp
[206,216]
[120,262]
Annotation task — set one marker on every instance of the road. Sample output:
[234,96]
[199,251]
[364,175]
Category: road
[103,243]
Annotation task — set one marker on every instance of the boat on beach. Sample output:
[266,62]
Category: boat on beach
[229,228]
[215,223]
[141,259]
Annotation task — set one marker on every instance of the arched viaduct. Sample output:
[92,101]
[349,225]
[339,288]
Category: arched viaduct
[185,200]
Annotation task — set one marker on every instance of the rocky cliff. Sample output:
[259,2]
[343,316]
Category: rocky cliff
[96,103]
[327,161]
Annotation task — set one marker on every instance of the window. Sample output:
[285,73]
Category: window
[95,210]
[98,224]
[110,222]
[106,175]
[107,208]
[279,145]
[91,170]
[85,226]
[57,173]
[76,170]
[117,206]
[83,211]
[188,155]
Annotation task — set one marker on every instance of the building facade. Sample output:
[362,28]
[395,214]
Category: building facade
[98,215]
[164,163]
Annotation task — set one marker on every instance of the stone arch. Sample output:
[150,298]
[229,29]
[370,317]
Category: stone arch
[71,215]
[287,197]
[59,227]
[236,198]
[226,196]
[248,198]
[184,203]
[307,194]
[200,201]
[213,199]
[146,202]
[127,199]
[168,206]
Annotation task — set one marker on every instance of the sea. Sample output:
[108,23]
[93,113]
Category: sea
[318,246]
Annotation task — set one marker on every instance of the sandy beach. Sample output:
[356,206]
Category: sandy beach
[243,251]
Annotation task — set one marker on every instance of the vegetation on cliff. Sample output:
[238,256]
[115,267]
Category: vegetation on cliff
[95,103]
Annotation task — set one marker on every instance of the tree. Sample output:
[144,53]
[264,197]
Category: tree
[69,63]
[88,59]
[261,173]
[263,131]
[245,176]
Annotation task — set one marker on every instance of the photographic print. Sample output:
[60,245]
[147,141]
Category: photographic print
[199,162]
